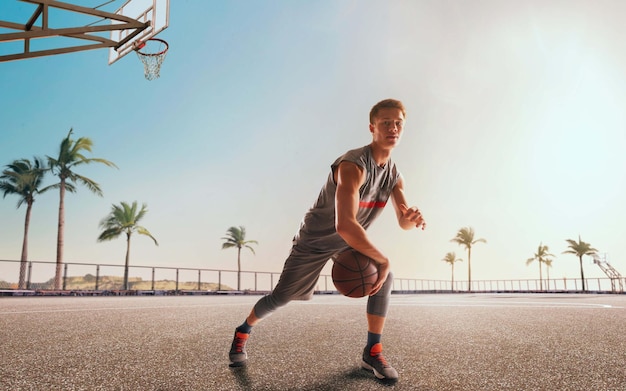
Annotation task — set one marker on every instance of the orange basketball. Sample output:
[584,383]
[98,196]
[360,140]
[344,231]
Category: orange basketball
[354,274]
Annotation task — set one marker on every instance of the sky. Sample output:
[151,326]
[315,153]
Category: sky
[515,127]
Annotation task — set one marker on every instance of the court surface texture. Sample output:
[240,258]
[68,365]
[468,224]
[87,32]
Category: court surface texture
[435,341]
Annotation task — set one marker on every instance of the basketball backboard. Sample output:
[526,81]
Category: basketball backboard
[154,11]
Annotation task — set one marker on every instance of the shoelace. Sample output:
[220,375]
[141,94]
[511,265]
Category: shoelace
[239,344]
[381,359]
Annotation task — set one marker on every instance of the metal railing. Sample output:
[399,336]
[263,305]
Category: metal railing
[107,278]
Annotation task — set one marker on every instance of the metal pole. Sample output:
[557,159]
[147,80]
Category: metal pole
[176,280]
[152,278]
[97,276]
[199,278]
[219,280]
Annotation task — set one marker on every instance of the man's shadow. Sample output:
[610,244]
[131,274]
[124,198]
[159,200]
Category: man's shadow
[339,381]
[240,372]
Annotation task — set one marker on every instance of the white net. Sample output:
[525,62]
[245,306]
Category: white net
[152,54]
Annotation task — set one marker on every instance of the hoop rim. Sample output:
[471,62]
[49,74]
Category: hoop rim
[167,46]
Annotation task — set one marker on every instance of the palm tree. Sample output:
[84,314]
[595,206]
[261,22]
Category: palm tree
[236,237]
[579,249]
[541,256]
[23,178]
[451,259]
[71,156]
[465,237]
[124,218]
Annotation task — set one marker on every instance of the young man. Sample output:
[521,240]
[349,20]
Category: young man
[358,187]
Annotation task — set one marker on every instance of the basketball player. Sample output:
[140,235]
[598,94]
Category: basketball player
[358,187]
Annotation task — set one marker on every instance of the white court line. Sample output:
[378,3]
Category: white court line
[503,304]
[416,302]
[494,305]
[395,302]
[509,305]
[109,309]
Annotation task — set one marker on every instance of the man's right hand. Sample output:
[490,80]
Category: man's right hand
[383,272]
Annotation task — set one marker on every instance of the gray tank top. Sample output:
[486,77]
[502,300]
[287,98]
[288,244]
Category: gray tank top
[317,231]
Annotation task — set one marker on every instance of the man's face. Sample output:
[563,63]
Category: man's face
[387,127]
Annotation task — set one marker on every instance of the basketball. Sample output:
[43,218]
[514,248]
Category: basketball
[354,274]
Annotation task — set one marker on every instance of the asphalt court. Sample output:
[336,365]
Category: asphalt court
[435,341]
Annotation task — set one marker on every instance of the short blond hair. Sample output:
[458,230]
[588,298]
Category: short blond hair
[387,103]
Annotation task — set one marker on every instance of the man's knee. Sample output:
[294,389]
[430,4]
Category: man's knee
[268,304]
[387,286]
[379,303]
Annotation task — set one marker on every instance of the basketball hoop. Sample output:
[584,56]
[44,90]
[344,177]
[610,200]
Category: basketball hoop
[151,53]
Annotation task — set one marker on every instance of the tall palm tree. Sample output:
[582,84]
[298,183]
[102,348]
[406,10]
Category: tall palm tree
[465,237]
[579,249]
[236,237]
[451,259]
[23,178]
[71,156]
[541,256]
[124,218]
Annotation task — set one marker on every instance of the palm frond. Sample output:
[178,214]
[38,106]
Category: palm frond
[144,231]
[236,237]
[109,234]
[123,218]
[23,178]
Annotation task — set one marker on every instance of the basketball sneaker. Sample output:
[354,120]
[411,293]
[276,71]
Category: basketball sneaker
[373,360]
[237,354]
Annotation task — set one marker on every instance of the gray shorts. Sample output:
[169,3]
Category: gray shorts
[299,279]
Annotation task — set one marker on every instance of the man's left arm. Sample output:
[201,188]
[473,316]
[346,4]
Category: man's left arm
[408,217]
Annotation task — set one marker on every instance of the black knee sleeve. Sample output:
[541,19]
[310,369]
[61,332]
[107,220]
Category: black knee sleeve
[268,304]
[379,303]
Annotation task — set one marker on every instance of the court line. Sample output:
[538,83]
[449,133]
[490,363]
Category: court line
[51,311]
[409,302]
[510,305]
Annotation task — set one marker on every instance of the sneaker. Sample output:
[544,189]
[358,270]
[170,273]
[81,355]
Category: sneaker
[374,361]
[237,354]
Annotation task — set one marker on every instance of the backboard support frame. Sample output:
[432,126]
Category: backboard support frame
[123,29]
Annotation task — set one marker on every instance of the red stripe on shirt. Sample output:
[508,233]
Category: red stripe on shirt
[372,204]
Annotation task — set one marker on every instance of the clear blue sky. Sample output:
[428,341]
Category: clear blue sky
[515,127]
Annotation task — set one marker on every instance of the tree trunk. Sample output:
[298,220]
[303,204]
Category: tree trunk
[582,273]
[126,263]
[540,277]
[238,268]
[60,227]
[469,269]
[24,258]
[452,286]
